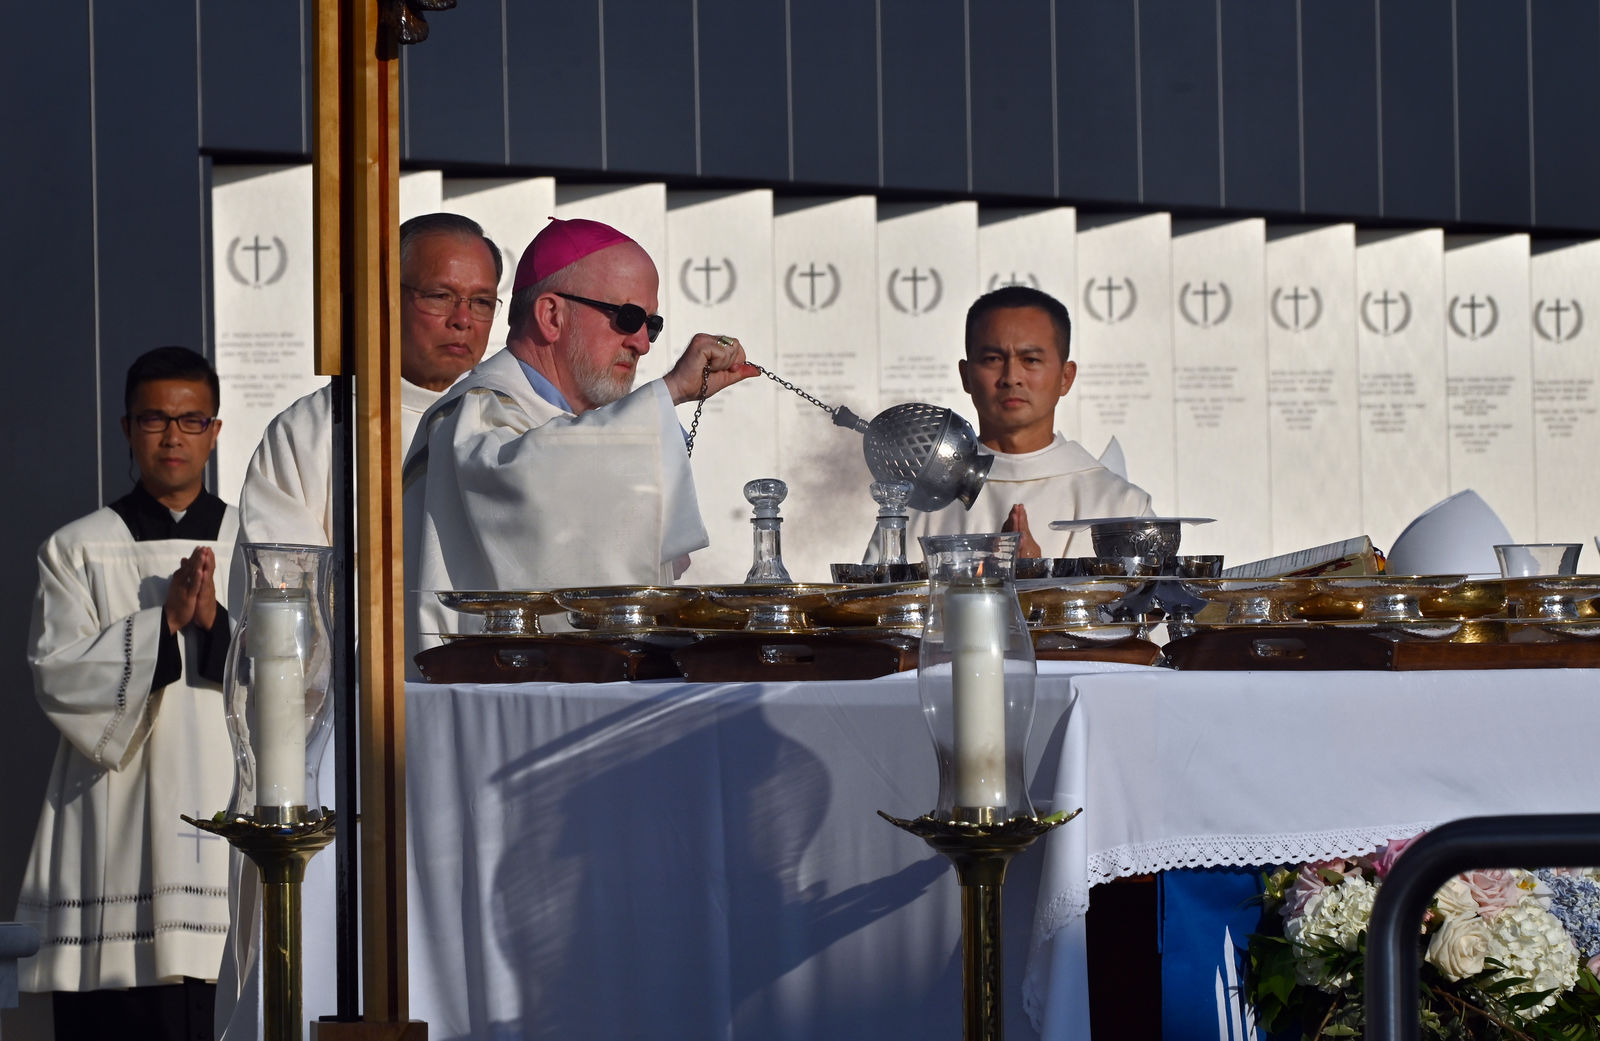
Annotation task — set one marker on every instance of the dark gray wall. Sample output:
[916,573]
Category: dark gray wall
[1421,111]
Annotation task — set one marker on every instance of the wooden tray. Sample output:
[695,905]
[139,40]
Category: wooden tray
[1311,649]
[762,657]
[1129,651]
[554,658]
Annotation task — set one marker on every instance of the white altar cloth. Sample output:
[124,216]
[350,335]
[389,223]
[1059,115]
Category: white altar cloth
[698,861]
[1198,769]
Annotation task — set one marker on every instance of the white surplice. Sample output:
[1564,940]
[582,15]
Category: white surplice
[124,893]
[505,490]
[1061,481]
[287,492]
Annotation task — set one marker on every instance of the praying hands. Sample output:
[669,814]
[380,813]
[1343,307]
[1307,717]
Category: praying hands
[191,593]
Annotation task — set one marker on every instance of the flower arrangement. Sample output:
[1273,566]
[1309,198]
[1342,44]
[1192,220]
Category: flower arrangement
[1507,953]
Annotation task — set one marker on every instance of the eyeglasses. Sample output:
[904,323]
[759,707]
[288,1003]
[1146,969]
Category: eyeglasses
[157,422]
[443,302]
[629,317]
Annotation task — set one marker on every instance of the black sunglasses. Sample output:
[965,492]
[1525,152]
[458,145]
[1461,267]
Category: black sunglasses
[629,317]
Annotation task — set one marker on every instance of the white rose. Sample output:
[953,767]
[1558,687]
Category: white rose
[1454,899]
[1459,946]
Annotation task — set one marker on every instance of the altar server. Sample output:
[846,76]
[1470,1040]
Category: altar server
[1016,369]
[545,467]
[449,271]
[127,646]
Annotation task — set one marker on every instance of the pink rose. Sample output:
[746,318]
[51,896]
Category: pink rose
[1494,890]
[1383,859]
[1309,881]
[1593,965]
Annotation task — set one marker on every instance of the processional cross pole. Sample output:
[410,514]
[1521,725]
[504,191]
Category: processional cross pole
[356,173]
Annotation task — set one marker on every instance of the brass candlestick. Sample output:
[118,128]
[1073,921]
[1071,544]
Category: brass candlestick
[981,853]
[280,852]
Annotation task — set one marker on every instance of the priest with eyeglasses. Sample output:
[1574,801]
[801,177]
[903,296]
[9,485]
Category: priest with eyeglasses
[546,467]
[449,272]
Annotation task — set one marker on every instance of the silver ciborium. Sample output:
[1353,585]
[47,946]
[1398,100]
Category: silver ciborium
[932,447]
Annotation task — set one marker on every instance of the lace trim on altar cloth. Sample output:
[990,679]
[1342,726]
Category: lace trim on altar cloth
[1058,907]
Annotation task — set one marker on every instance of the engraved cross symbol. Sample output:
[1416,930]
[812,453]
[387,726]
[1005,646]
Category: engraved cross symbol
[1205,293]
[811,274]
[256,249]
[1386,301]
[1110,289]
[1558,309]
[1472,306]
[1295,298]
[707,268]
[915,280]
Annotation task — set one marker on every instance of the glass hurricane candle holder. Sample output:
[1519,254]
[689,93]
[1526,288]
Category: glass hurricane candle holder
[975,676]
[276,683]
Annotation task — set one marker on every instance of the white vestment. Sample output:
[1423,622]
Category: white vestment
[506,491]
[287,492]
[123,893]
[1061,481]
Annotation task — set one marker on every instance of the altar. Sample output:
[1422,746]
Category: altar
[671,860]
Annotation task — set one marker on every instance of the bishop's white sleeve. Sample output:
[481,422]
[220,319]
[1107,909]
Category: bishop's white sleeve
[604,493]
[286,497]
[91,675]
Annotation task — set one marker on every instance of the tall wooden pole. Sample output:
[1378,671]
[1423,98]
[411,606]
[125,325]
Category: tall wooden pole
[357,222]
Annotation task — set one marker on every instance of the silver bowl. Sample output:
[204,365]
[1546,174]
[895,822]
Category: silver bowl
[1154,540]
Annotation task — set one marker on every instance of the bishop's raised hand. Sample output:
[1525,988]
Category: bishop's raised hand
[724,355]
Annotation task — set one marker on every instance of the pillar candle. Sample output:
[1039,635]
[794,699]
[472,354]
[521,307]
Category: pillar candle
[275,625]
[975,630]
[278,695]
[279,692]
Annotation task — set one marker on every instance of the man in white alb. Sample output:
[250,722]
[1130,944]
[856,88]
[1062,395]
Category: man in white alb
[1016,369]
[127,645]
[545,468]
[449,271]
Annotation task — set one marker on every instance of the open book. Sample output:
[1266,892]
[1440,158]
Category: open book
[1349,557]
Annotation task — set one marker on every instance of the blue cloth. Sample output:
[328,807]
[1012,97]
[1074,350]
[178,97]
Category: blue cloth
[1206,924]
[544,388]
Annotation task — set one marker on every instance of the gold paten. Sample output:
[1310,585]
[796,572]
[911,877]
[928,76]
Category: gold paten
[1071,603]
[506,612]
[778,606]
[901,605]
[613,608]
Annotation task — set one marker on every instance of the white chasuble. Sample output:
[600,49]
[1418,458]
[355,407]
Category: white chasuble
[507,491]
[122,891]
[1061,481]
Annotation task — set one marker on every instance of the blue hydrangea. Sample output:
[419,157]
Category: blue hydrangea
[1575,901]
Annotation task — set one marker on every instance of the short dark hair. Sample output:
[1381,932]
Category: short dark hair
[448,224]
[1023,296]
[170,363]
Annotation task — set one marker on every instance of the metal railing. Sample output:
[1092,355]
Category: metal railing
[1393,954]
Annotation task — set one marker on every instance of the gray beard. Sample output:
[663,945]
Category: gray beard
[596,382]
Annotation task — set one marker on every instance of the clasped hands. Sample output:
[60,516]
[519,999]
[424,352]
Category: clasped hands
[192,591]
